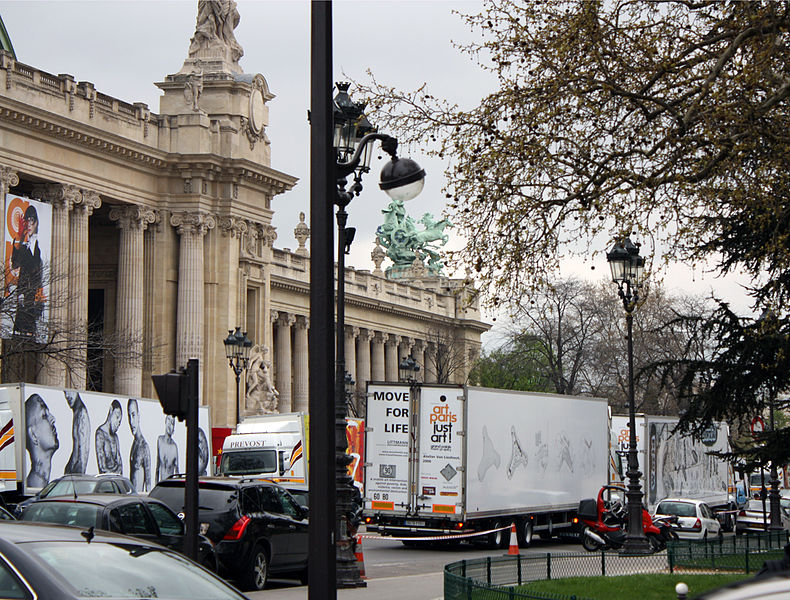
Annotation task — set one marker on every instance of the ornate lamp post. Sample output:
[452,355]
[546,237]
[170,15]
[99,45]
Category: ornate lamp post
[237,351]
[332,563]
[627,271]
[408,369]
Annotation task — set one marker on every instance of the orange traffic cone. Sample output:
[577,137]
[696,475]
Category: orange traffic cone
[513,549]
[360,558]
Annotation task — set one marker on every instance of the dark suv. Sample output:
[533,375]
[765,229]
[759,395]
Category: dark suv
[257,527]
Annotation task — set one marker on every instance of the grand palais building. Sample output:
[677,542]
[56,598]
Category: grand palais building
[161,235]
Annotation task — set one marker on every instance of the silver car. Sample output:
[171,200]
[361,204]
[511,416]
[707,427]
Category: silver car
[752,517]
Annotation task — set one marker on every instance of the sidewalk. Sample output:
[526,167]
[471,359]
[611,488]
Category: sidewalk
[426,586]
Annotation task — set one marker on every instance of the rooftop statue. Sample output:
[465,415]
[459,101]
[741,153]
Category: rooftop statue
[214,36]
[404,243]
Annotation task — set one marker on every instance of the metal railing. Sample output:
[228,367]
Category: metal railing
[496,577]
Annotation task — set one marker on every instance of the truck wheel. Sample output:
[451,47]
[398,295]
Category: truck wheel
[525,533]
[258,570]
[498,539]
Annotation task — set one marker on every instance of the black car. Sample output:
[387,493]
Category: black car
[48,562]
[257,527]
[137,516]
[71,485]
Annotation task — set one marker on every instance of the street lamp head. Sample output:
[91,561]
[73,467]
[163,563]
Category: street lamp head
[402,178]
[408,369]
[230,345]
[351,126]
[245,345]
[625,263]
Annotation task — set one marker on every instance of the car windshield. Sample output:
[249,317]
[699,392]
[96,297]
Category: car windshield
[104,570]
[248,462]
[680,509]
[209,497]
[63,513]
[69,487]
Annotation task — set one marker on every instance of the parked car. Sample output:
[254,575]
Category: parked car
[77,485]
[137,516]
[774,587]
[48,562]
[753,518]
[696,520]
[257,527]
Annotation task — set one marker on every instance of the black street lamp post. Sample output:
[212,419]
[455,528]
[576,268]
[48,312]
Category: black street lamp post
[237,351]
[330,165]
[773,495]
[627,270]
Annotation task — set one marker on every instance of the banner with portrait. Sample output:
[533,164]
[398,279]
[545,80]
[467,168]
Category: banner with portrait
[26,274]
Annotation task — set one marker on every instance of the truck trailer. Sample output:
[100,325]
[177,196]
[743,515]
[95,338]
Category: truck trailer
[680,466]
[443,460]
[48,432]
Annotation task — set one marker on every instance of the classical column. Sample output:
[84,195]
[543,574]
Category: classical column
[363,360]
[418,353]
[190,305]
[62,197]
[132,221]
[379,372]
[391,367]
[351,350]
[430,362]
[282,361]
[301,366]
[82,209]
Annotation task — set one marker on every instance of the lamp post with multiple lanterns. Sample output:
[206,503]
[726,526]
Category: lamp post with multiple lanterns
[339,148]
[627,271]
[237,351]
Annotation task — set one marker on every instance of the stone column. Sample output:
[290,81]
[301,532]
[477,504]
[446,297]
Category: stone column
[282,360]
[351,350]
[430,362]
[363,360]
[62,197]
[132,222]
[82,209]
[418,353]
[190,304]
[379,372]
[391,367]
[301,366]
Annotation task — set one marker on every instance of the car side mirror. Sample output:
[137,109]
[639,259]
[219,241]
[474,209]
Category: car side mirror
[305,511]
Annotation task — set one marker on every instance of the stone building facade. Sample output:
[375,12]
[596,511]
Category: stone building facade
[161,234]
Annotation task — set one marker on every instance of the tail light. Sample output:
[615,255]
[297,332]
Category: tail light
[742,513]
[459,525]
[575,520]
[368,520]
[697,525]
[235,532]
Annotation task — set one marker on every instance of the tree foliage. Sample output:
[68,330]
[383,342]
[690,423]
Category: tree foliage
[513,366]
[667,118]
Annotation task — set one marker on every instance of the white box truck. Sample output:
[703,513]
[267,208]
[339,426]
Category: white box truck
[48,432]
[450,459]
[679,466]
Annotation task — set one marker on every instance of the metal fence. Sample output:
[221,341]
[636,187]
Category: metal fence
[494,578]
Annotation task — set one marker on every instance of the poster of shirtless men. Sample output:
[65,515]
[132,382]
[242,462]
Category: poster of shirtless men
[67,431]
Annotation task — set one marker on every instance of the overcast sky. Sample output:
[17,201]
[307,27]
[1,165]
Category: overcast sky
[124,46]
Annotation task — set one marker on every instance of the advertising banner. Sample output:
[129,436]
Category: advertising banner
[66,431]
[355,437]
[27,251]
[441,449]
[387,448]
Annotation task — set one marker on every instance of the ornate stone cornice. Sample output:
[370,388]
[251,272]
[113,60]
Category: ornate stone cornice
[192,223]
[131,216]
[74,136]
[60,195]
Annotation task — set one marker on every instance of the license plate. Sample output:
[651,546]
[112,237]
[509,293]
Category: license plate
[413,523]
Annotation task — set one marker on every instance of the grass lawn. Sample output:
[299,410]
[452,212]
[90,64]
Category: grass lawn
[657,586]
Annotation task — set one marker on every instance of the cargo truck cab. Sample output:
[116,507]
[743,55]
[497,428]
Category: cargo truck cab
[252,454]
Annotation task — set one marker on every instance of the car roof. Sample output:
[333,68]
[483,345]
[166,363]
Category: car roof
[30,531]
[686,500]
[100,499]
[230,482]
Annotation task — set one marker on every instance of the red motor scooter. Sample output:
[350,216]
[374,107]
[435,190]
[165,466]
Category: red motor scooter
[604,523]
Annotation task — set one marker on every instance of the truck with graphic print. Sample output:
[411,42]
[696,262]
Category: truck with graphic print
[443,461]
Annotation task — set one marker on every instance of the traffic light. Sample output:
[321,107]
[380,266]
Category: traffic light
[173,391]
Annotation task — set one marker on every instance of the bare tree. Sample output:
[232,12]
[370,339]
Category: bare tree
[450,359]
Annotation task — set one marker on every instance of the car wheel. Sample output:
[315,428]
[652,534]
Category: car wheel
[258,572]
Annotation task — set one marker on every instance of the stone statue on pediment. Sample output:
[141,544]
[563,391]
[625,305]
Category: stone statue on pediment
[261,393]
